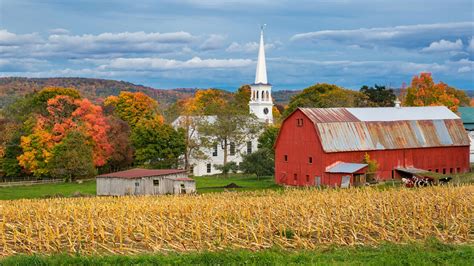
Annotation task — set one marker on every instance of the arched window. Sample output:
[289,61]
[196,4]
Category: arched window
[253,95]
[268,96]
[263,95]
[256,94]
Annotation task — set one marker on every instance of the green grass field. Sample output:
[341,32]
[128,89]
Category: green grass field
[429,253]
[204,185]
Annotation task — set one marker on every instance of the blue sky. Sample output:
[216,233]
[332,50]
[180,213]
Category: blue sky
[211,43]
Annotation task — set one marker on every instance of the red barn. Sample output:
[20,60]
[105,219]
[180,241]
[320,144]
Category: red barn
[326,146]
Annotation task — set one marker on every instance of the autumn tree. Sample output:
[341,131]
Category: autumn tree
[267,139]
[157,144]
[324,95]
[64,114]
[207,102]
[423,91]
[379,96]
[241,99]
[119,136]
[72,158]
[133,106]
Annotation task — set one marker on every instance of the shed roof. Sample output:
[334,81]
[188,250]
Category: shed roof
[342,167]
[140,172]
[362,129]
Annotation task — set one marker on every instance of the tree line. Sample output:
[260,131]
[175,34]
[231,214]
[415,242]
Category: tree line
[55,132]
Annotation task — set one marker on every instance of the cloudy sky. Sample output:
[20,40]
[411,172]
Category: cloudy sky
[213,43]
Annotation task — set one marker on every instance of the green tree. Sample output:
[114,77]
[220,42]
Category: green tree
[379,96]
[268,137]
[157,144]
[324,95]
[261,163]
[229,128]
[72,158]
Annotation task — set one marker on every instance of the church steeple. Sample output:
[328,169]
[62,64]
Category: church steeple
[261,73]
[261,102]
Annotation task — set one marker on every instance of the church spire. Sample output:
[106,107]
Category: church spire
[261,73]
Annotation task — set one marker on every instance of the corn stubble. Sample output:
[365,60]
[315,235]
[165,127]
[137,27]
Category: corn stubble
[291,219]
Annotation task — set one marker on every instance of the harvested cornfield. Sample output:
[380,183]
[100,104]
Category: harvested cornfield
[251,220]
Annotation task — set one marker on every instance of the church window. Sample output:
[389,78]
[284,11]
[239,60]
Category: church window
[249,147]
[214,153]
[265,110]
[263,95]
[208,168]
[257,94]
[267,96]
[232,148]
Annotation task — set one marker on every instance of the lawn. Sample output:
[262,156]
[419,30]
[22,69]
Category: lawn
[204,185]
[428,253]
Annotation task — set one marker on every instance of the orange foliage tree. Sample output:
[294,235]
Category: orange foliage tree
[64,114]
[423,91]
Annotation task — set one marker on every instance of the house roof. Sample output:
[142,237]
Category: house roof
[342,167]
[362,129]
[411,170]
[140,172]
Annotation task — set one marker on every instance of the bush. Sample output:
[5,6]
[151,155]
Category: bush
[261,163]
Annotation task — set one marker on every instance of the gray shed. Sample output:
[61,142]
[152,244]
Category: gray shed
[145,182]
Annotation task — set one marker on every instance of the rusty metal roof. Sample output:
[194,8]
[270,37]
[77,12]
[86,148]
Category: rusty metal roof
[351,134]
[140,172]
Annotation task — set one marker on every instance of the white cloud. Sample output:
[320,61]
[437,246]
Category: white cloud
[249,47]
[214,42]
[166,64]
[11,39]
[464,69]
[443,46]
[59,31]
[411,36]
[470,47]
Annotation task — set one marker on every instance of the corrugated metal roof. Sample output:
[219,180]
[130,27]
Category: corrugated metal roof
[411,170]
[340,130]
[326,115]
[402,113]
[342,167]
[139,173]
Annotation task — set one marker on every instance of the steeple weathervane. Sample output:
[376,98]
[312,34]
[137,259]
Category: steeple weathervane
[261,73]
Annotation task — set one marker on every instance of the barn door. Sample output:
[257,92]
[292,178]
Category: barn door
[317,181]
[156,186]
[346,181]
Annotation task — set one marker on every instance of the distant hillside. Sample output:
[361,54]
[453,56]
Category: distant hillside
[96,89]
[93,89]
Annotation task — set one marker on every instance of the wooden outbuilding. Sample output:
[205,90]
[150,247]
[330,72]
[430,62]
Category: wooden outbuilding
[326,146]
[145,182]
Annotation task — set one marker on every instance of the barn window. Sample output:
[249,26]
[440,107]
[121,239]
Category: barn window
[156,182]
[295,177]
[451,170]
[429,170]
[208,168]
[249,147]
[214,153]
[307,178]
[310,160]
[458,170]
[444,171]
[436,170]
[232,148]
[286,158]
[299,122]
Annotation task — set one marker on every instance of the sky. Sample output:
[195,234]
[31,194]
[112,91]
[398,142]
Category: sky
[213,43]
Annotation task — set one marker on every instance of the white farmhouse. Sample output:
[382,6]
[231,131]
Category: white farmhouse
[260,105]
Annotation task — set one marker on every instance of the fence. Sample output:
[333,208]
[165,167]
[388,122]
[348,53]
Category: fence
[28,183]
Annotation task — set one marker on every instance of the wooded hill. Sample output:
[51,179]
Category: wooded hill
[96,89]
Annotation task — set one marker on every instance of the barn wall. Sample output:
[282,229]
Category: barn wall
[119,186]
[300,143]
[124,186]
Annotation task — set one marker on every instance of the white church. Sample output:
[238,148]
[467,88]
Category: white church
[260,105]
